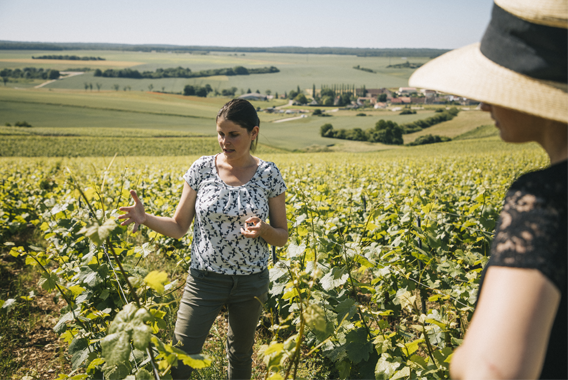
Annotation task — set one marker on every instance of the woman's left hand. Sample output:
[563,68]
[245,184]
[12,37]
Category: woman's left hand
[254,227]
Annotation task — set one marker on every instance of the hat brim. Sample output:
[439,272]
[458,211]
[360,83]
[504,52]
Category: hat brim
[467,72]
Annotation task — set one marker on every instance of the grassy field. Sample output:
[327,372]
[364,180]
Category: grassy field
[295,70]
[141,114]
[66,104]
[90,113]
[463,123]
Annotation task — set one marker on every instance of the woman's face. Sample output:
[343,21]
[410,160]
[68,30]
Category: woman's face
[515,126]
[234,140]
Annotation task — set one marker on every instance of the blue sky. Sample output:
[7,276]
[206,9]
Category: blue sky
[253,23]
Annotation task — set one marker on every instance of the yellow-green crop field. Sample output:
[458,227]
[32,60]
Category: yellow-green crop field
[295,70]
[378,278]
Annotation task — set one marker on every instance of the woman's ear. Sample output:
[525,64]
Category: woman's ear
[254,132]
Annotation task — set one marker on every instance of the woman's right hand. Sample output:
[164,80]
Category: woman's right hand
[134,214]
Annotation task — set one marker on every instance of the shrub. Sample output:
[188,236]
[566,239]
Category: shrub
[317,112]
[326,130]
[407,112]
[361,114]
[22,124]
[429,139]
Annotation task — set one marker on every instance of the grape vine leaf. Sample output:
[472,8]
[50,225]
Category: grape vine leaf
[156,280]
[358,347]
[8,304]
[385,369]
[334,278]
[98,233]
[127,325]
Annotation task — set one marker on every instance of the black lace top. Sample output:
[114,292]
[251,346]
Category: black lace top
[532,233]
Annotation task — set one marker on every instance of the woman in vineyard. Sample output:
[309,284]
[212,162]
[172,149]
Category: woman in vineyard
[519,72]
[230,195]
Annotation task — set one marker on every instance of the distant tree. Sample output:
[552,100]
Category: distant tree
[150,87]
[242,91]
[327,101]
[249,91]
[116,87]
[91,86]
[86,86]
[189,90]
[346,98]
[5,80]
[298,89]
[387,132]
[285,95]
[98,86]
[98,73]
[316,112]
[326,130]
[257,92]
[208,88]
[292,94]
[276,95]
[240,70]
[124,88]
[301,98]
[327,92]
[53,74]
[268,92]
[163,88]
[314,91]
[382,98]
[201,92]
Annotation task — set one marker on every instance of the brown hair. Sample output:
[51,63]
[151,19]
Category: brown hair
[242,113]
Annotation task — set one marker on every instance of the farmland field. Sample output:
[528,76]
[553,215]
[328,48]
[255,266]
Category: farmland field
[53,111]
[295,70]
[371,237]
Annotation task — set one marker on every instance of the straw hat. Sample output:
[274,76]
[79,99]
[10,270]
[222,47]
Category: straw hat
[521,62]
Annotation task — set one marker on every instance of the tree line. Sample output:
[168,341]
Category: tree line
[360,52]
[364,69]
[69,58]
[389,132]
[181,72]
[29,73]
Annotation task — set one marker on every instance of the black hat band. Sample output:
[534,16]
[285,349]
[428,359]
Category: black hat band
[537,51]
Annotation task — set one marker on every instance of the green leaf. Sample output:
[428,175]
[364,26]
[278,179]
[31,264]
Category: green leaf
[385,369]
[344,368]
[128,325]
[358,347]
[346,307]
[334,278]
[48,281]
[156,280]
[405,372]
[195,361]
[419,360]
[98,233]
[142,374]
[8,304]
[117,372]
[413,346]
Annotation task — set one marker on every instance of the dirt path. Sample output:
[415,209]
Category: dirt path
[290,118]
[68,74]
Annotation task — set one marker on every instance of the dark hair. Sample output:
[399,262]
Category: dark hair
[242,113]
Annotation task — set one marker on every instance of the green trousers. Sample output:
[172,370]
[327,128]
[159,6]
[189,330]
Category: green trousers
[204,296]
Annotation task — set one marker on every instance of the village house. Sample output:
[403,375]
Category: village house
[407,90]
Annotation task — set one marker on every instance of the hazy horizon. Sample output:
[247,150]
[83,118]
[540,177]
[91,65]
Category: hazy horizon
[437,24]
